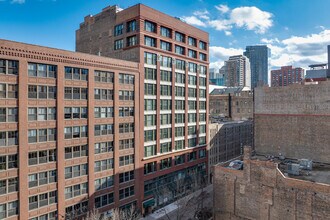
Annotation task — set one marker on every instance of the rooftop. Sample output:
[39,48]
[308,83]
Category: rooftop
[320,172]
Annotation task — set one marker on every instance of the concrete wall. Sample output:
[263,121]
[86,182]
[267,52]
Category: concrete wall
[260,191]
[294,121]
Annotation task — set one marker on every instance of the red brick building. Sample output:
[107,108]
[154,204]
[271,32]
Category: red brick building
[173,85]
[66,132]
[286,75]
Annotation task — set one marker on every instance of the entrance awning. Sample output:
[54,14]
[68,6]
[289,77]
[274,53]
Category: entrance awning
[148,203]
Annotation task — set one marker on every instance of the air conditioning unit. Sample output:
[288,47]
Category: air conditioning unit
[293,169]
[306,164]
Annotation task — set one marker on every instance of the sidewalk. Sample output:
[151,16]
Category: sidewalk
[171,208]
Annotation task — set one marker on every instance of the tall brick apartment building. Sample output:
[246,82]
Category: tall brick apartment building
[68,127]
[173,85]
[286,75]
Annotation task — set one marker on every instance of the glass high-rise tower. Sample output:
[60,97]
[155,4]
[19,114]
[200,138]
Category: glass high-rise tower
[258,56]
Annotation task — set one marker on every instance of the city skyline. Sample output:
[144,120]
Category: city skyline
[293,41]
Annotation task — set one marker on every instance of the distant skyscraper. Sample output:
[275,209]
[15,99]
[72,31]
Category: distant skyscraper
[328,61]
[237,71]
[286,75]
[212,73]
[216,77]
[258,56]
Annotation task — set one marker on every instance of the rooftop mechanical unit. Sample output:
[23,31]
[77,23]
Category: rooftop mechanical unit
[293,169]
[306,164]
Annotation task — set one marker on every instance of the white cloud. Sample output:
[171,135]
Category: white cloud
[269,41]
[220,25]
[227,33]
[250,18]
[18,1]
[222,8]
[299,51]
[193,20]
[203,14]
[220,54]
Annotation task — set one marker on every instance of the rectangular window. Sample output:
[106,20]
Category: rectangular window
[150,73]
[202,56]
[179,145]
[150,58]
[149,104]
[8,67]
[180,78]
[119,44]
[150,26]
[179,37]
[150,150]
[149,89]
[166,76]
[150,167]
[126,79]
[131,41]
[179,50]
[119,29]
[192,53]
[179,91]
[165,90]
[126,95]
[165,147]
[149,135]
[104,200]
[192,41]
[103,183]
[165,104]
[165,163]
[165,45]
[131,26]
[103,165]
[192,67]
[179,131]
[180,64]
[102,76]
[127,176]
[165,119]
[126,192]
[179,159]
[126,144]
[166,32]
[165,133]
[149,41]
[179,105]
[104,147]
[12,91]
[149,120]
[202,45]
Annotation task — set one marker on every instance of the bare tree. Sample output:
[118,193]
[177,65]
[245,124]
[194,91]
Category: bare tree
[126,214]
[183,190]
[130,213]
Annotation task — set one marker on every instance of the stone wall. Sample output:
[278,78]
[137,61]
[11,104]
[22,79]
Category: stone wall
[260,191]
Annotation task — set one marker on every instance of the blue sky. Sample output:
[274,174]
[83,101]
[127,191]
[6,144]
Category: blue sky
[297,31]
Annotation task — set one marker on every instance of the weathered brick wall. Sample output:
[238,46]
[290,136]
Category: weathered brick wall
[294,121]
[260,191]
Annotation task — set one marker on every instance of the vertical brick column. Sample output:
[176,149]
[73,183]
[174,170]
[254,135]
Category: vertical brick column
[186,105]
[138,133]
[91,155]
[173,104]
[23,146]
[116,135]
[197,102]
[158,107]
[60,142]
